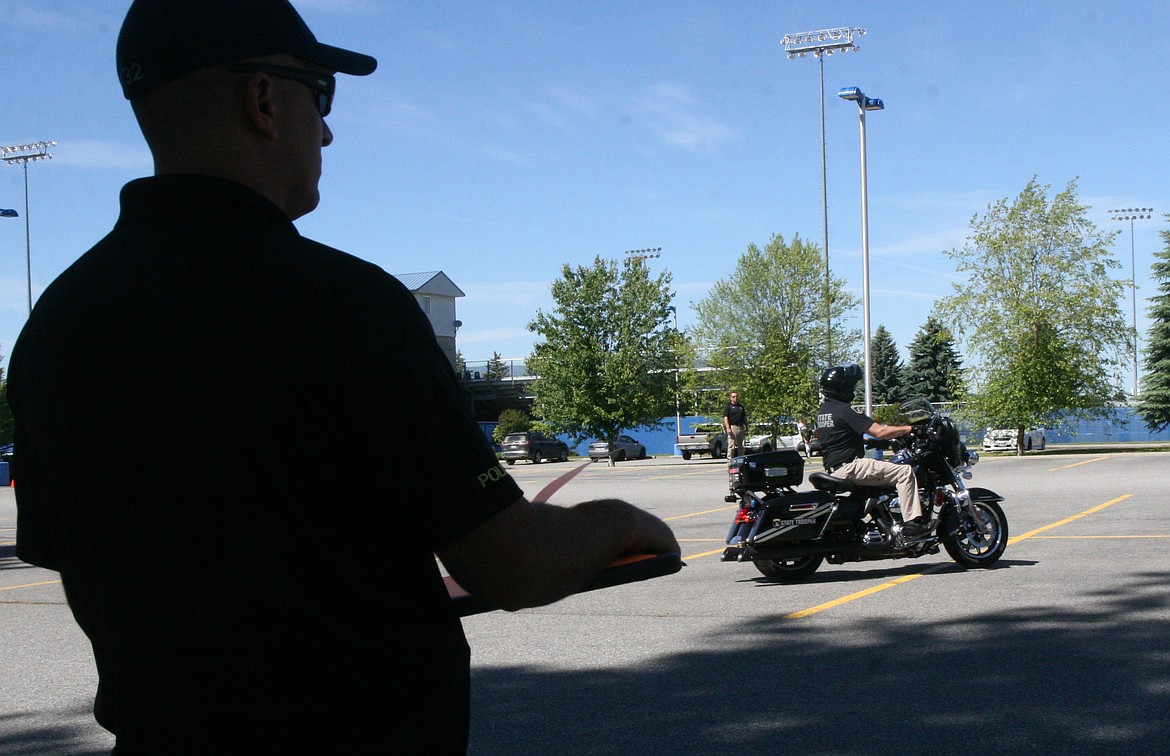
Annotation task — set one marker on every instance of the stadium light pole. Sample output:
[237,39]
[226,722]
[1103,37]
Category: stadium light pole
[821,44]
[25,154]
[853,94]
[1131,214]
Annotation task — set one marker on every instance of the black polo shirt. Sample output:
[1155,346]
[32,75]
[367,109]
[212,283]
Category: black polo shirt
[736,414]
[842,432]
[241,448]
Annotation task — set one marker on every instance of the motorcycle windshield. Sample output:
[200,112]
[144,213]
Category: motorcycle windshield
[915,410]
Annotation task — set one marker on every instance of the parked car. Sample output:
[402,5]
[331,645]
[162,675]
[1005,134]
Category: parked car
[759,438]
[1004,439]
[624,448]
[532,446]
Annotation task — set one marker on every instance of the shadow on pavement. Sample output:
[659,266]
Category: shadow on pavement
[1039,681]
[27,733]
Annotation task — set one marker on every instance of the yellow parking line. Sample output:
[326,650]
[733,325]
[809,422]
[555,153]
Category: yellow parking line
[29,585]
[1067,520]
[935,568]
[703,554]
[696,514]
[688,473]
[1077,464]
[861,594]
[1090,537]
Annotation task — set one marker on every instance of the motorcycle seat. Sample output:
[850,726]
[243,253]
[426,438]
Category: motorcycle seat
[825,482]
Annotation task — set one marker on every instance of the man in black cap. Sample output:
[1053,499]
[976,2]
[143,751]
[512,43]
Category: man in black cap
[842,432]
[251,554]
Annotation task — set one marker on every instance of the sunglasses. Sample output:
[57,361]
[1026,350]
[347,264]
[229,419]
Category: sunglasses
[321,84]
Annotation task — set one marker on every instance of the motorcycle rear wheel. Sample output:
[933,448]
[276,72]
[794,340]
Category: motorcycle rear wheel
[968,546]
[789,570]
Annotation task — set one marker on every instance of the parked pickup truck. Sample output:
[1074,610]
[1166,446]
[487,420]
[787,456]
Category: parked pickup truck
[708,438]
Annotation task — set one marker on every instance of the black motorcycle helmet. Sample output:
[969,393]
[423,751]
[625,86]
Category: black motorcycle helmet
[840,382]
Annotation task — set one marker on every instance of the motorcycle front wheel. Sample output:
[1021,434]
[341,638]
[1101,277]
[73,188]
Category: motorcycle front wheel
[789,570]
[966,542]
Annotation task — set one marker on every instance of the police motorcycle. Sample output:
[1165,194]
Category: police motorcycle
[787,534]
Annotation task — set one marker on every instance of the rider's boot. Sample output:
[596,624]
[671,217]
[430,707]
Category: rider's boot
[918,528]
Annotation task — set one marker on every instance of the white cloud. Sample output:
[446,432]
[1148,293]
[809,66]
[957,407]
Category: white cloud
[506,155]
[674,114]
[92,153]
[515,293]
[34,17]
[399,113]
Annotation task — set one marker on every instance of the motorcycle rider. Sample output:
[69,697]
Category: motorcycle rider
[842,431]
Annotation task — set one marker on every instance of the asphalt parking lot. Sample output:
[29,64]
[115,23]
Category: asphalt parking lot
[1061,648]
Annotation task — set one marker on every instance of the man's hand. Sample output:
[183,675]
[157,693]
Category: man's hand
[535,553]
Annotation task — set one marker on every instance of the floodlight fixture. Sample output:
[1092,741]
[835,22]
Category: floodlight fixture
[822,42]
[26,153]
[1131,214]
[644,254]
[853,94]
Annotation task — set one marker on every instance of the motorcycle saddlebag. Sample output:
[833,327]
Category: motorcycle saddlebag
[795,517]
[767,470]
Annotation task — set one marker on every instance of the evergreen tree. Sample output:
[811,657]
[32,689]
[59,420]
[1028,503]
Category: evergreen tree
[934,370]
[1154,405]
[885,368]
[496,368]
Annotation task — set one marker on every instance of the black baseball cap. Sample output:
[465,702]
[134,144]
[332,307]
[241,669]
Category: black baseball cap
[162,40]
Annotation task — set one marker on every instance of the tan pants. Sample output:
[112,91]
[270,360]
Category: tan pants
[869,471]
[735,441]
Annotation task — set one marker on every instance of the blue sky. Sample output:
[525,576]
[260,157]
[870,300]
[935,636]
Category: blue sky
[500,140]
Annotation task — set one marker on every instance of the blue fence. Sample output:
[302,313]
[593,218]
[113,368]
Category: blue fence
[1122,425]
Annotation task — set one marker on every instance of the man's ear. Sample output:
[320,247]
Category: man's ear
[261,104]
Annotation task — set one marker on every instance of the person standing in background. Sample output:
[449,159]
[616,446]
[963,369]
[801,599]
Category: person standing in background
[735,424]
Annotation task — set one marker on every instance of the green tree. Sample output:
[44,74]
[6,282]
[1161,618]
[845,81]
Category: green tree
[511,421]
[762,330]
[885,380]
[935,370]
[1154,405]
[607,355]
[1038,311]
